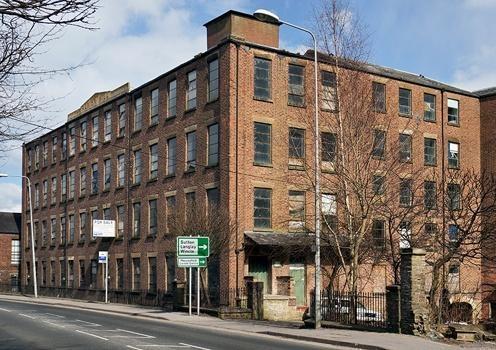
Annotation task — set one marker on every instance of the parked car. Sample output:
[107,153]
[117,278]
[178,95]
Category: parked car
[340,308]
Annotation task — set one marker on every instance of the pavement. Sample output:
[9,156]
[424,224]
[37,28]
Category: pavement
[337,338]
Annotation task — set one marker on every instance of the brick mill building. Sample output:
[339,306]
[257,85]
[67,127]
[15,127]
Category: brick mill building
[10,250]
[219,131]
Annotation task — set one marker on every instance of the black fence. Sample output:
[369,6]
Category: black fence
[10,288]
[362,309]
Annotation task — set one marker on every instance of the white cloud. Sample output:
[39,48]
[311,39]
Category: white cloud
[477,70]
[11,197]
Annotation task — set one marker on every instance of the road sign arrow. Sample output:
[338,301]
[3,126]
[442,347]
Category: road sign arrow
[203,246]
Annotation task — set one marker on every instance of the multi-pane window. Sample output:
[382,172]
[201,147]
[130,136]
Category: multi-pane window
[122,119]
[137,166]
[53,194]
[152,274]
[262,208]
[94,132]
[70,279]
[154,107]
[171,99]
[454,199]
[121,170]
[72,141]
[82,226]
[405,234]
[429,107]
[136,219]
[30,159]
[37,157]
[405,101]
[170,209]
[45,153]
[191,91]
[329,91]
[405,142]
[329,211]
[107,126]
[94,273]
[171,156]
[379,97]
[213,80]
[406,192]
[138,113]
[52,273]
[82,182]
[53,231]
[153,161]
[72,182]
[379,146]
[54,149]
[296,146]
[262,143]
[152,217]
[453,155]
[44,232]
[83,128]
[296,85]
[45,193]
[190,205]
[82,274]
[430,151]
[94,216]
[378,184]
[328,141]
[453,111]
[107,214]
[15,257]
[296,211]
[94,178]
[121,218]
[136,274]
[262,78]
[213,145]
[430,195]
[71,228]
[119,264]
[107,174]
[453,233]
[379,233]
[191,151]
[63,184]
[212,199]
[64,145]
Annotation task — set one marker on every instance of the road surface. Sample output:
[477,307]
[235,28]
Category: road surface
[34,326]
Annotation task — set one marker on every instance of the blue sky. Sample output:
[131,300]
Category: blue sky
[449,40]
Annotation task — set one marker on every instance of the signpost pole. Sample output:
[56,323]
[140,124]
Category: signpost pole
[198,292]
[189,296]
[106,281]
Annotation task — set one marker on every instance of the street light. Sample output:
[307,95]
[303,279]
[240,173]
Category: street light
[269,17]
[33,267]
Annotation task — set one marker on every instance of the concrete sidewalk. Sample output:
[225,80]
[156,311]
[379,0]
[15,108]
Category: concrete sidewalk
[337,337]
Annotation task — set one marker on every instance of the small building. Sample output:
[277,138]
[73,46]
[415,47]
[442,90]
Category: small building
[10,250]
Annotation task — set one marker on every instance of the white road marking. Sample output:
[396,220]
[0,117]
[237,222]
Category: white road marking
[1,308]
[91,324]
[92,335]
[54,324]
[195,347]
[47,313]
[132,347]
[131,332]
[28,316]
[164,345]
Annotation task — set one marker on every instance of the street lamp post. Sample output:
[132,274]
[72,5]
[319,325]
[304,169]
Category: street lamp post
[33,257]
[269,17]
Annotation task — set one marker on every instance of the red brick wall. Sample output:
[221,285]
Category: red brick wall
[6,267]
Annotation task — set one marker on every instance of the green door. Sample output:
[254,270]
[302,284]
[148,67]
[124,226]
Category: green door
[258,267]
[297,272]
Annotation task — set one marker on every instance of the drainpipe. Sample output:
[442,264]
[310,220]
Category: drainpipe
[237,250]
[443,184]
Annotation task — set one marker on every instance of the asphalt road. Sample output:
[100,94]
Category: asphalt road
[33,326]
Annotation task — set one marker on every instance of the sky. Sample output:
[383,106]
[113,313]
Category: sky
[448,40]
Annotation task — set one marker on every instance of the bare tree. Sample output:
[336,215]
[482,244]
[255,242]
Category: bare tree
[27,27]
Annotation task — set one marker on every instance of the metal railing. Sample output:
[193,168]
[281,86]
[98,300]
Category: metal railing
[363,309]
